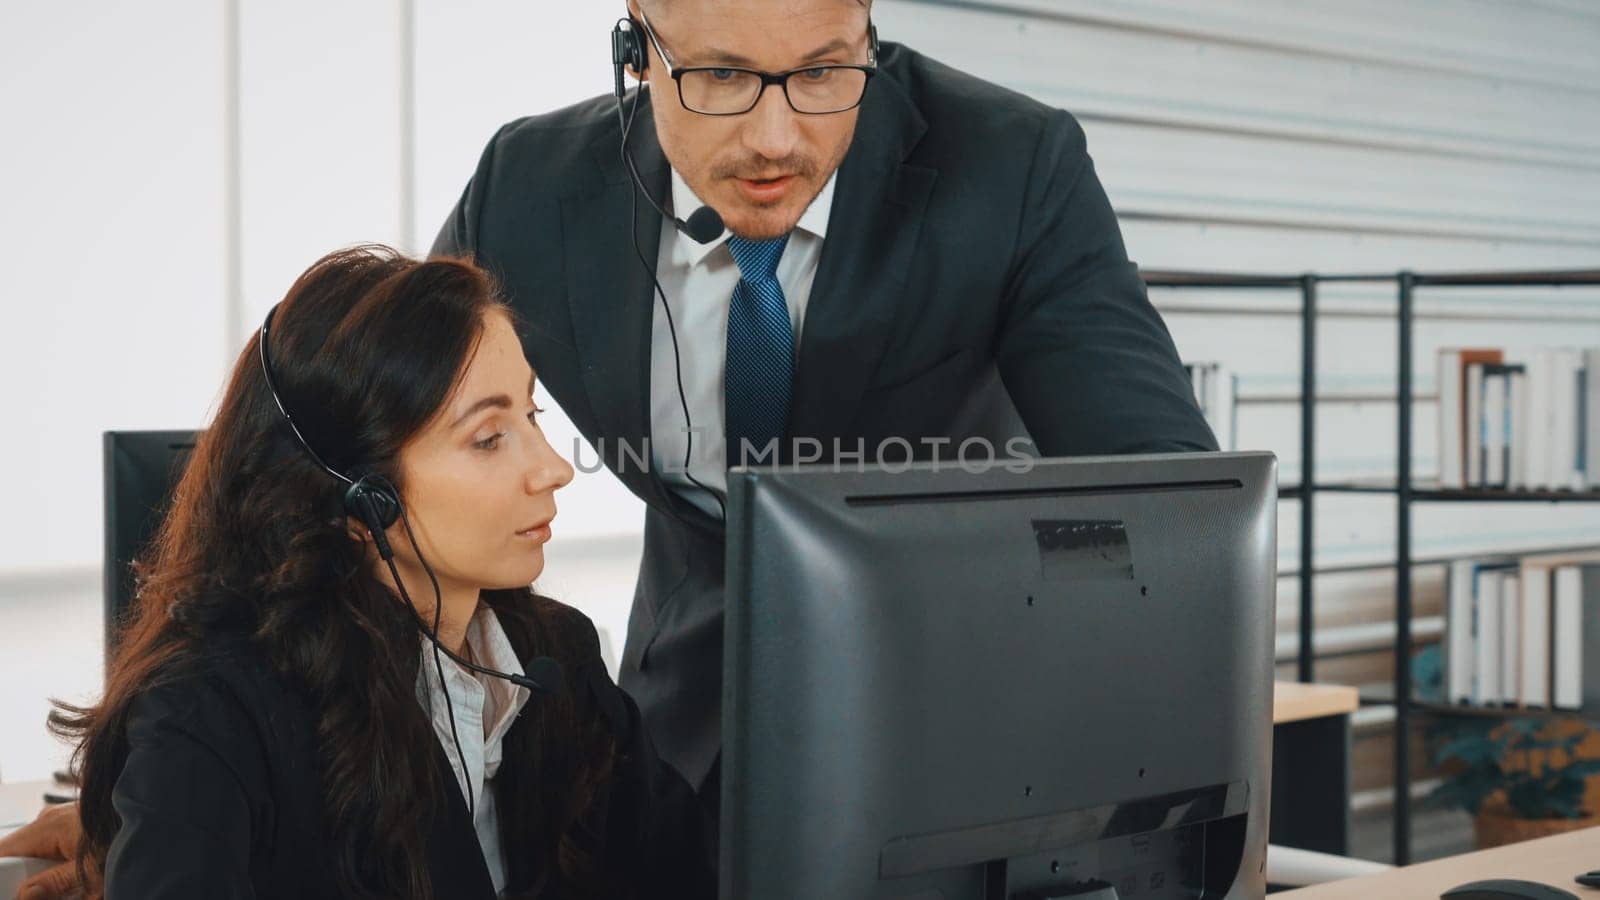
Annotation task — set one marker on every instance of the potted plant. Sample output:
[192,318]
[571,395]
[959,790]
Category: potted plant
[1520,778]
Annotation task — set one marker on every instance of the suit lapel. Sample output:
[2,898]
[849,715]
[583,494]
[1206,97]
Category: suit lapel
[455,857]
[611,297]
[877,215]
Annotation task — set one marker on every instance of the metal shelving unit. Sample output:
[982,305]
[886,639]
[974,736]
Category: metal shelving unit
[1409,492]
[1405,488]
[1306,285]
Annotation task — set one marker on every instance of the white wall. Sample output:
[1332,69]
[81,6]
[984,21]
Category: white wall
[112,284]
[170,168]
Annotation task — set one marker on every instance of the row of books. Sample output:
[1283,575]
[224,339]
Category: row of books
[1217,389]
[1526,421]
[1519,632]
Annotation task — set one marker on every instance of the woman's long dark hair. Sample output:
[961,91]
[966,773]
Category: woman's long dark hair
[366,347]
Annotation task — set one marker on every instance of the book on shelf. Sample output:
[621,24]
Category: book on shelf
[1533,677]
[1568,638]
[1535,441]
[1566,464]
[1453,418]
[1517,423]
[1459,634]
[1520,421]
[1475,424]
[1216,388]
[1487,595]
[1511,690]
[1591,410]
[1496,425]
[1523,632]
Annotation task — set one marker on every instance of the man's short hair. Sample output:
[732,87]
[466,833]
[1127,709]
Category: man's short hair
[660,3]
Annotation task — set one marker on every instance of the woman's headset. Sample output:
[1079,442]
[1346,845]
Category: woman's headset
[373,500]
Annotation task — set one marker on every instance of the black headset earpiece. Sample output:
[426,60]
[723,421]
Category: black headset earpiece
[373,500]
[627,51]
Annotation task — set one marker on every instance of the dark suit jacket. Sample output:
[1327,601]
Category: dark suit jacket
[973,282]
[220,795]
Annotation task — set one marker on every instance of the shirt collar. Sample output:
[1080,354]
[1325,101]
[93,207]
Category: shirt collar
[491,649]
[688,252]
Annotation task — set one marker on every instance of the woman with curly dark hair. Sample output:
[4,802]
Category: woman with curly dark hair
[279,720]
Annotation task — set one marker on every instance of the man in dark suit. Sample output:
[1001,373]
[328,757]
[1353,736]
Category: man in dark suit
[914,259]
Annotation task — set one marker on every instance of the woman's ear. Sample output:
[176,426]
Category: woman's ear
[356,530]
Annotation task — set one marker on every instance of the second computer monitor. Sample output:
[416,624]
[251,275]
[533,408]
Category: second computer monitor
[141,470]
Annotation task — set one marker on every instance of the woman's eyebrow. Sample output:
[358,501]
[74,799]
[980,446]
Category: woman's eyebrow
[496,401]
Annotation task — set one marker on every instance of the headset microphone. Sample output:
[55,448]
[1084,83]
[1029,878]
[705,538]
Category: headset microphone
[704,225]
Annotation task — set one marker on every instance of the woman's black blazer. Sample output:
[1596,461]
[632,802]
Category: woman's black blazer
[220,795]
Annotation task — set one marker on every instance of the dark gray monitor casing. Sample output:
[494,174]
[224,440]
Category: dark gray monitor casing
[960,684]
[141,470]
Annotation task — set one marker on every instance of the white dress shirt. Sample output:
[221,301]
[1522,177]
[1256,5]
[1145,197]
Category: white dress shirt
[698,280]
[485,708]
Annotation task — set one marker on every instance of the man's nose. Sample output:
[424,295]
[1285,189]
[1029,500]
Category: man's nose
[772,128]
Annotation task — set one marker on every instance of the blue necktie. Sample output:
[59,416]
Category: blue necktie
[760,363]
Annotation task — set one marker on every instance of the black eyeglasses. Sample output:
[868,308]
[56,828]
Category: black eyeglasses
[733,91]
